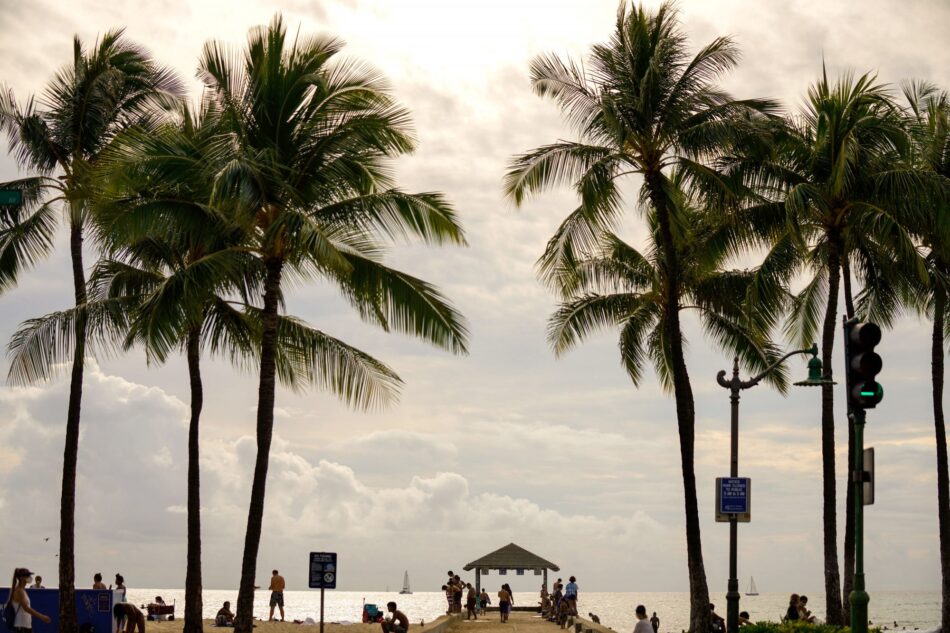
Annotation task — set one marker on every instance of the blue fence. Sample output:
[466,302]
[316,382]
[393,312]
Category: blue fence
[92,606]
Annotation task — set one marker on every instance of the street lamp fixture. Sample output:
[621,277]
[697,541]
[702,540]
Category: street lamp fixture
[735,385]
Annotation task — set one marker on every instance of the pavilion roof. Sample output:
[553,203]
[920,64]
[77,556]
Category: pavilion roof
[512,556]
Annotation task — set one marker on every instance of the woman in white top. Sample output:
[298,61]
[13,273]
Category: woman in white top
[643,624]
[23,621]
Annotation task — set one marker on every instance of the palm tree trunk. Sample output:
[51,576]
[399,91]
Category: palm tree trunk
[848,580]
[243,621]
[193,601]
[833,612]
[67,509]
[943,480]
[699,617]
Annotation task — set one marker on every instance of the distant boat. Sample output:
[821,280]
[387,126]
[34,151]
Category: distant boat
[752,590]
[405,584]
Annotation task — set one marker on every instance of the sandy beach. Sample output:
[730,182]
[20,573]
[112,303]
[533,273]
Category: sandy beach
[175,626]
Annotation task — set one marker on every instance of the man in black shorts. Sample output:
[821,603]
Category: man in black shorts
[277,585]
[399,623]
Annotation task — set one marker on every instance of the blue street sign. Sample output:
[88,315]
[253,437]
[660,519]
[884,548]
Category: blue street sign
[323,570]
[734,495]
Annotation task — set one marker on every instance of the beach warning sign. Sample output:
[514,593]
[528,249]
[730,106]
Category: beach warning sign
[323,570]
[733,499]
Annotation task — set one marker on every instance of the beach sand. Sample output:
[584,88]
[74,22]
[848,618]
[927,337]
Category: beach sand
[175,626]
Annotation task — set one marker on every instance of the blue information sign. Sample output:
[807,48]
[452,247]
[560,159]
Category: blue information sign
[323,570]
[734,495]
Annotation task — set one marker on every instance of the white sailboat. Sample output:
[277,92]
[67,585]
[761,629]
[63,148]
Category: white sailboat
[752,590]
[405,584]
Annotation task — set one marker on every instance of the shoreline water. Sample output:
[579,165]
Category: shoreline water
[911,609]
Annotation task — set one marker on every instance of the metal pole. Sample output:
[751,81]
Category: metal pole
[732,594]
[859,597]
[321,609]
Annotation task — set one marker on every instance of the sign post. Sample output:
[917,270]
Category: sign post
[322,575]
[733,499]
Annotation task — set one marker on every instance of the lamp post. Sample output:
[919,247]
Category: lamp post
[735,385]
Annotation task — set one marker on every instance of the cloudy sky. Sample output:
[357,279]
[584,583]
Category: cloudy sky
[564,456]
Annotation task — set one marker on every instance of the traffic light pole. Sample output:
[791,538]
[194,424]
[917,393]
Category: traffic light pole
[859,597]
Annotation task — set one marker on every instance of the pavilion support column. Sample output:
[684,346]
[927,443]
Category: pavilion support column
[478,580]
[546,578]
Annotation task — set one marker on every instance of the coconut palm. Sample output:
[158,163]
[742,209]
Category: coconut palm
[168,261]
[831,181]
[928,119]
[309,182]
[642,106]
[102,91]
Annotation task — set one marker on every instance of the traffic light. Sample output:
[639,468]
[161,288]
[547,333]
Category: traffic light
[863,364]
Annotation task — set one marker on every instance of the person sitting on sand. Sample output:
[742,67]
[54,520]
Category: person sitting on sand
[224,617]
[132,616]
[97,582]
[718,624]
[803,612]
[643,623]
[399,623]
[792,614]
[744,619]
[504,603]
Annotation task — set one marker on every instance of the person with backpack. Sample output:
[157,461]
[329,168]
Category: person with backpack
[17,613]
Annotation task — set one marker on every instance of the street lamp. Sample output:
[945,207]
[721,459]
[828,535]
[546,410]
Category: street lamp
[815,378]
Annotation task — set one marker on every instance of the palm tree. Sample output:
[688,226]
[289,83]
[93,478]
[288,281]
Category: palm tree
[308,174]
[169,261]
[831,182]
[642,106]
[89,101]
[928,119]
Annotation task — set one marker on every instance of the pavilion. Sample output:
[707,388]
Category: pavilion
[511,557]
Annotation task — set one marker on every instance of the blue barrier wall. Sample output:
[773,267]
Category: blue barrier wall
[92,606]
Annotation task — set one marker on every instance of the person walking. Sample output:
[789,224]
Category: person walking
[277,585]
[643,625]
[20,600]
[655,623]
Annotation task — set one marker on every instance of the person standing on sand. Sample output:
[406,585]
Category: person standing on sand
[570,594]
[655,623]
[485,601]
[20,599]
[97,582]
[643,624]
[448,598]
[399,622]
[504,603]
[277,585]
[470,602]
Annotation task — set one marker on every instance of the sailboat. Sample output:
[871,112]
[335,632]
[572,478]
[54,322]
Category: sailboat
[752,590]
[405,584]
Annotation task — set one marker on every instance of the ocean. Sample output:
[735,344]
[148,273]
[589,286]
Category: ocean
[911,610]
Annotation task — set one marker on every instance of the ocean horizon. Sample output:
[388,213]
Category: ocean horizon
[911,610]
